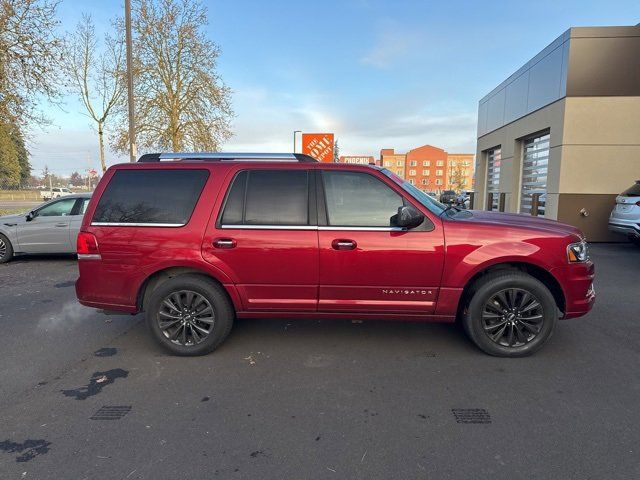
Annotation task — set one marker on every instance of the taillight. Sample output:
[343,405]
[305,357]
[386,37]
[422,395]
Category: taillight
[638,203]
[87,246]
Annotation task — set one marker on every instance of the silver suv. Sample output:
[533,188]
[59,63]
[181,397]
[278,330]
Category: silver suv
[625,217]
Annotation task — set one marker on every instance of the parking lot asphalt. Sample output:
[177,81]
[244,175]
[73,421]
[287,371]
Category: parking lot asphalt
[85,396]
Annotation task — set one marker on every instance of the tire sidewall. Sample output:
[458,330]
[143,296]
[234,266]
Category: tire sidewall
[223,314]
[473,323]
[9,252]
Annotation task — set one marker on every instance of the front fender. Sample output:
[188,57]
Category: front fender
[465,261]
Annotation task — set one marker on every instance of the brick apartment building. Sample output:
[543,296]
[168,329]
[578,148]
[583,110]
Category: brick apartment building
[431,168]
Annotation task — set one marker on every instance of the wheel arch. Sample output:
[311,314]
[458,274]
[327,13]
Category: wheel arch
[158,277]
[536,271]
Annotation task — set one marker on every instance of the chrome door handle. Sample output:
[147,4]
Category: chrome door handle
[343,244]
[62,224]
[224,243]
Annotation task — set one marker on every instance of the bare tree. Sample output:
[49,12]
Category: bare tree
[30,53]
[97,78]
[457,176]
[181,102]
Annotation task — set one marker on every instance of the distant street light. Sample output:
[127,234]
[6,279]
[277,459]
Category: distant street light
[133,153]
[294,139]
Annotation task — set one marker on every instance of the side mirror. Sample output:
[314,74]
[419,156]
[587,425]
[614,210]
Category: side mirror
[407,217]
[31,215]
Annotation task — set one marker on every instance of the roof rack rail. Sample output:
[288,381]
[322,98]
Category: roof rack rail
[225,156]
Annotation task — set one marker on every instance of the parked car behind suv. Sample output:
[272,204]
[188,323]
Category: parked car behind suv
[50,228]
[197,240]
[55,193]
[625,217]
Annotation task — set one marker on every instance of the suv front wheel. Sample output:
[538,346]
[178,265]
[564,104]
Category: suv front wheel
[510,314]
[190,315]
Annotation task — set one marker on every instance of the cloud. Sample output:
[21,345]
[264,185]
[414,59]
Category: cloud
[392,43]
[401,123]
[65,150]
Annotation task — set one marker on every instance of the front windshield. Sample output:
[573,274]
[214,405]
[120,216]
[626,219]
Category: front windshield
[431,203]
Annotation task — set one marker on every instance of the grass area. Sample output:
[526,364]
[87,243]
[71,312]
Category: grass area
[27,195]
[11,211]
[20,195]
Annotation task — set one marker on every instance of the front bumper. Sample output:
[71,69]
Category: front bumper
[577,283]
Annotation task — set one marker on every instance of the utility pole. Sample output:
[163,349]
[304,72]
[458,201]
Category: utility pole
[294,139]
[88,172]
[133,153]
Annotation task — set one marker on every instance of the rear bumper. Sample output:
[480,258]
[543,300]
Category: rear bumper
[112,308]
[625,227]
[577,284]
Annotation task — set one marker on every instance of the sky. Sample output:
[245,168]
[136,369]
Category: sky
[378,74]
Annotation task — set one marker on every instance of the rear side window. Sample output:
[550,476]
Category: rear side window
[153,197]
[633,191]
[268,197]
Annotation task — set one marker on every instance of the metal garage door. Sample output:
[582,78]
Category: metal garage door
[493,175]
[535,164]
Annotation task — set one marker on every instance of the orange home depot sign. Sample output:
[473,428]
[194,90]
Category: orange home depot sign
[318,145]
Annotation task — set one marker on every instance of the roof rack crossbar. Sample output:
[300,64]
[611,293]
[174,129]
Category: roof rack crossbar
[226,156]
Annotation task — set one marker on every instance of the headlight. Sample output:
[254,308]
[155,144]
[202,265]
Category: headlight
[577,252]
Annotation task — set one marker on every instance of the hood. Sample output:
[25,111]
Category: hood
[518,220]
[15,218]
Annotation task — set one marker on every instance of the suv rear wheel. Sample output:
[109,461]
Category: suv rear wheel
[189,315]
[6,250]
[511,314]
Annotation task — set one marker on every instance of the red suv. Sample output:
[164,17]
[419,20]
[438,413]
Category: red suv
[197,240]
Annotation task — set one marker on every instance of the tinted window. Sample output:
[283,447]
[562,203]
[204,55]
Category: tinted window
[81,206]
[268,197]
[632,191]
[359,200]
[151,196]
[235,201]
[57,209]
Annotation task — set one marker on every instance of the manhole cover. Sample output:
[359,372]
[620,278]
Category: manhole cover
[111,412]
[471,415]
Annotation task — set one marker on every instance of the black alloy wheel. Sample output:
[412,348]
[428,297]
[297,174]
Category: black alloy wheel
[510,313]
[512,317]
[189,314]
[186,317]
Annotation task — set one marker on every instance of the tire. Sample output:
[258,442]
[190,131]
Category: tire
[181,309]
[6,249]
[521,304]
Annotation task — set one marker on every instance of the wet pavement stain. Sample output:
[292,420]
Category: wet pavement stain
[65,284]
[98,381]
[106,352]
[28,450]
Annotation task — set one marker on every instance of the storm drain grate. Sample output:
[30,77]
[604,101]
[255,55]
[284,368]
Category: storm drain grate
[111,412]
[471,415]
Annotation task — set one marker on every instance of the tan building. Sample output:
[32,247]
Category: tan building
[565,130]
